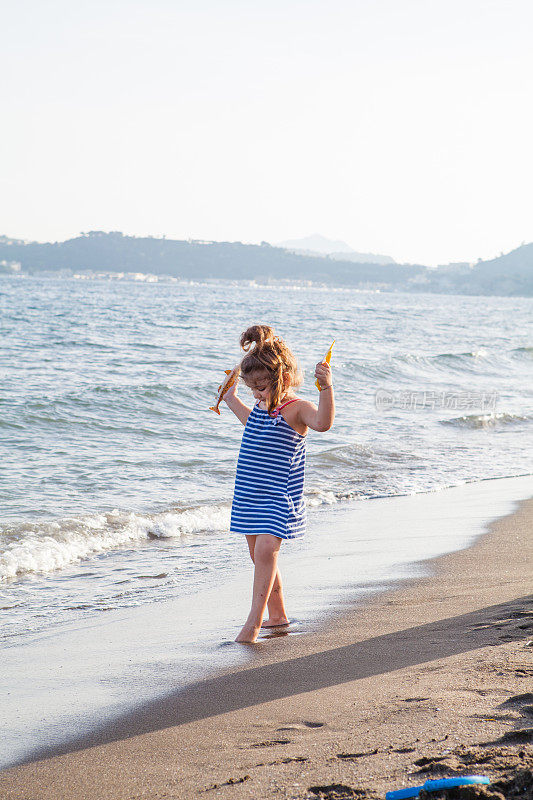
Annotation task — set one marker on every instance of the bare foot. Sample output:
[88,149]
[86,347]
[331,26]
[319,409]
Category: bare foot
[275,622]
[249,633]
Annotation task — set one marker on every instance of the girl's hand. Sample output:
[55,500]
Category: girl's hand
[323,374]
[240,409]
[232,391]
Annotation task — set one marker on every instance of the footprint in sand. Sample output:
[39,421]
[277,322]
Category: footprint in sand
[270,743]
[355,756]
[301,726]
[335,791]
[229,782]
[520,702]
[521,736]
[518,699]
[288,760]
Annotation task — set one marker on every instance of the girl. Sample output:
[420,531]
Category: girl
[268,503]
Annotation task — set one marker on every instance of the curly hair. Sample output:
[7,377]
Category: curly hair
[271,354]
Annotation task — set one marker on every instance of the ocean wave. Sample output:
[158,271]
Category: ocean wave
[523,352]
[441,363]
[321,497]
[352,454]
[481,353]
[47,546]
[490,420]
[409,365]
[359,455]
[44,547]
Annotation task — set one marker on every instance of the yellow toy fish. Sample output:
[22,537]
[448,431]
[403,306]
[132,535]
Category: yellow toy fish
[232,375]
[327,359]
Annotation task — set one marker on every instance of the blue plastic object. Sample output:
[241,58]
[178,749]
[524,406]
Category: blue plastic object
[435,786]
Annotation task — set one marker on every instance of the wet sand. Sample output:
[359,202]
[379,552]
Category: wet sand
[428,679]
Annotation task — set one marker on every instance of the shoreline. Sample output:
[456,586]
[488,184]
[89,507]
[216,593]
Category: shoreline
[92,672]
[294,691]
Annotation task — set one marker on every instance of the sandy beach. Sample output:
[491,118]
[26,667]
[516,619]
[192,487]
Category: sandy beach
[431,678]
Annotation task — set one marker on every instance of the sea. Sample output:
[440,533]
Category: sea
[116,479]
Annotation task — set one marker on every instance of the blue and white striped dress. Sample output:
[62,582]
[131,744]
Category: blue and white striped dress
[268,496]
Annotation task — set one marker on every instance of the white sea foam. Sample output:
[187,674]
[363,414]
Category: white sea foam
[490,419]
[48,546]
[41,548]
[321,498]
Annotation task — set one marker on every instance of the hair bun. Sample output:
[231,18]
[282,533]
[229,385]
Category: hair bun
[258,335]
[271,356]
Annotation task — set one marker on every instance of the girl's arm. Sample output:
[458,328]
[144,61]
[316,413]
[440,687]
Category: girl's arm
[237,406]
[321,418]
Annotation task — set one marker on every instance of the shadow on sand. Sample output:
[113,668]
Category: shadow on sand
[273,681]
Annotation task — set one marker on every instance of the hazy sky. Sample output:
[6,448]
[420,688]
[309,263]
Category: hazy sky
[403,127]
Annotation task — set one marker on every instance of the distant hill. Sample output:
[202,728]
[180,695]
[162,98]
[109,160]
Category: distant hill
[338,250]
[516,264]
[316,244]
[113,252]
[509,274]
[101,252]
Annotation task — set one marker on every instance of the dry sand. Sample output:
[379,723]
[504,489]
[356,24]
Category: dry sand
[429,679]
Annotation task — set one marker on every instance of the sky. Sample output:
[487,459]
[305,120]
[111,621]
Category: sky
[402,127]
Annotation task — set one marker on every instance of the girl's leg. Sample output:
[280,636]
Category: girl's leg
[265,559]
[275,603]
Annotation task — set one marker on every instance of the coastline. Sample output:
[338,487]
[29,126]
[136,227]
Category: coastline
[414,654]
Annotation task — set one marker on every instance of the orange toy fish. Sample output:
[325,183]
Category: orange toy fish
[327,359]
[232,375]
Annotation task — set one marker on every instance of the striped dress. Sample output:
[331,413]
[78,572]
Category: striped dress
[268,496]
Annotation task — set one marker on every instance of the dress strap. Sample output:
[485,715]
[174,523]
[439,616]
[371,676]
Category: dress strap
[278,409]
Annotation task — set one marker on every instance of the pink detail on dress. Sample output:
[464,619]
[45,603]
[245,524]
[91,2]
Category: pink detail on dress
[278,409]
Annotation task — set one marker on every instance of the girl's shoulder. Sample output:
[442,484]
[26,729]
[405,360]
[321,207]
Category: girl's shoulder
[295,404]
[291,414]
[291,400]
[302,403]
